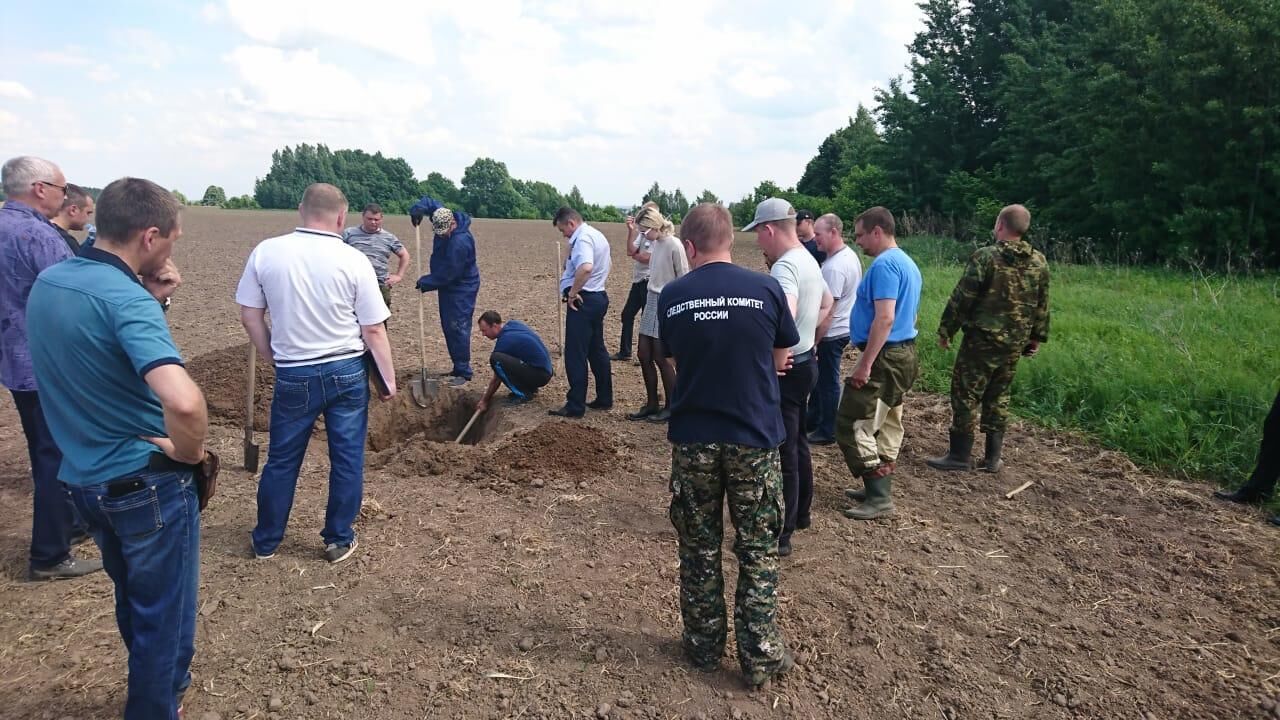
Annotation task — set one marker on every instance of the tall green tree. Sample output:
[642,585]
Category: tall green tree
[487,190]
[441,188]
[214,196]
[857,143]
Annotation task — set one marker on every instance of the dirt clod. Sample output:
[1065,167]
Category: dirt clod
[526,644]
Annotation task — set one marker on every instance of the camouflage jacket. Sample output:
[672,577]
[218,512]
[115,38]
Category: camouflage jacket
[1004,293]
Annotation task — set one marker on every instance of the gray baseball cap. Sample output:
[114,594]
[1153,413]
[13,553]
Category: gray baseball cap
[772,209]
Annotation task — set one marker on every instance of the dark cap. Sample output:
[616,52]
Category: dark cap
[804,215]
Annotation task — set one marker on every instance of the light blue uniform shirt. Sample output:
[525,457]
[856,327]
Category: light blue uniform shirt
[587,245]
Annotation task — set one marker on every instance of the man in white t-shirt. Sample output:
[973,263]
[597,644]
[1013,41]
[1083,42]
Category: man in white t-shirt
[326,311]
[810,303]
[842,272]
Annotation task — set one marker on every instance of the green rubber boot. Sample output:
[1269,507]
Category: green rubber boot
[878,502]
[958,454]
[860,494]
[995,442]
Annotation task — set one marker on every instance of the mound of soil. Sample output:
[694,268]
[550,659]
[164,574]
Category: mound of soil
[555,449]
[221,376]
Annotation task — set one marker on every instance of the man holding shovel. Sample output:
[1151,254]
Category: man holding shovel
[326,309]
[455,278]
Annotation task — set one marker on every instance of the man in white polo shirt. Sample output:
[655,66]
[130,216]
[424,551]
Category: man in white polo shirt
[810,303]
[326,310]
[842,272]
[582,288]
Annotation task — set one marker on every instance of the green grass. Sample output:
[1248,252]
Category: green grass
[1176,369]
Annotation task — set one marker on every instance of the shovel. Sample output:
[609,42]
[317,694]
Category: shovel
[559,319]
[250,447]
[467,427]
[423,389]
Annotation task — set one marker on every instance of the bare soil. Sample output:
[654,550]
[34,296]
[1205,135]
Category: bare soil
[533,573]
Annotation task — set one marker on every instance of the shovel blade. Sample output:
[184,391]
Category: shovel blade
[424,390]
[251,457]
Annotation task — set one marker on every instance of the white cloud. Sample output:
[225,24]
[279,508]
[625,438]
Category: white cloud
[13,90]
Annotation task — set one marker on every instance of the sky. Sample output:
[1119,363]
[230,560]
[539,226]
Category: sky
[609,96]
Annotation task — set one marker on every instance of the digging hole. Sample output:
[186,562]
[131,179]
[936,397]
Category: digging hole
[394,423]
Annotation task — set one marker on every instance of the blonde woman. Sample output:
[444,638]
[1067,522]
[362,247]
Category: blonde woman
[667,262]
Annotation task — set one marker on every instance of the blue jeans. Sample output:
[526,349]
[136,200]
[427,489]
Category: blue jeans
[826,394]
[340,390]
[52,522]
[583,347]
[150,542]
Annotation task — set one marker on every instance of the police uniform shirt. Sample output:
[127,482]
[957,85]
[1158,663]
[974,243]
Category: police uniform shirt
[722,323]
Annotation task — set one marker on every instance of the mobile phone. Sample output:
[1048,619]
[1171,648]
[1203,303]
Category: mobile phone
[124,487]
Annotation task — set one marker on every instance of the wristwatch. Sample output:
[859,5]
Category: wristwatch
[164,304]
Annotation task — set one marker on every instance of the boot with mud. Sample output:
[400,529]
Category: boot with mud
[860,494]
[761,681]
[995,442]
[959,454]
[878,503]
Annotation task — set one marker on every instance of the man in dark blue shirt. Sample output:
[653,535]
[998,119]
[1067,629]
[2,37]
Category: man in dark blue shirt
[454,277]
[520,359]
[730,331]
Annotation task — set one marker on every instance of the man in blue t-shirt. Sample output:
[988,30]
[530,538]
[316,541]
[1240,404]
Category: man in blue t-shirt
[131,427]
[520,359]
[730,331]
[883,326]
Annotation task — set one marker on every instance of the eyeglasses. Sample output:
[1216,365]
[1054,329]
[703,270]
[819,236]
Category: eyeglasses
[63,188]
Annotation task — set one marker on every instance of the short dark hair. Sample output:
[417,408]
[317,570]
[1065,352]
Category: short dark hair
[132,204]
[372,208]
[76,195]
[565,214]
[490,317]
[708,227]
[877,217]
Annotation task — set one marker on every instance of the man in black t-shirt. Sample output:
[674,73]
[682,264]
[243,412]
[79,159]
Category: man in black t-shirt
[729,330]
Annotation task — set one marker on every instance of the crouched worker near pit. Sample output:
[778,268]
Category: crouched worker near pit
[729,330]
[454,276]
[520,359]
[1002,305]
[131,426]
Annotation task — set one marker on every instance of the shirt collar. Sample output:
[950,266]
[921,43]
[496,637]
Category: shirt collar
[102,256]
[19,206]
[309,231]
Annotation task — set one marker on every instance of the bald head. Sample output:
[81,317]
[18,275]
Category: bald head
[1016,220]
[323,207]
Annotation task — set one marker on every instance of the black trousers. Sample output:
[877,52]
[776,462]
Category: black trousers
[583,349]
[635,303]
[797,468]
[52,520]
[1267,470]
[521,378]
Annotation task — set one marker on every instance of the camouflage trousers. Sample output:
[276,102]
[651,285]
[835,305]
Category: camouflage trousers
[982,375]
[869,420]
[703,475]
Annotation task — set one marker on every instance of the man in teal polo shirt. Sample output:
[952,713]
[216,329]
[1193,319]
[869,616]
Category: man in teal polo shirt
[131,426]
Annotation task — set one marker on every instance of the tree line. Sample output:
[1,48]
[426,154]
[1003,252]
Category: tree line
[1135,130]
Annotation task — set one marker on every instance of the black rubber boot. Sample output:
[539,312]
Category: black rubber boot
[995,441]
[959,455]
[879,501]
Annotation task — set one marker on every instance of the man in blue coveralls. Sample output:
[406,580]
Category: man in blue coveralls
[454,276]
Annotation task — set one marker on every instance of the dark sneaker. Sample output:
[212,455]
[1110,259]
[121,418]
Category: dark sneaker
[1275,520]
[514,400]
[80,537]
[761,680]
[620,357]
[336,553]
[816,439]
[65,570]
[458,381]
[784,547]
[599,405]
[564,412]
[661,416]
[643,412]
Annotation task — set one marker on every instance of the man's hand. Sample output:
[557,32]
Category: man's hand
[861,374]
[166,446]
[631,222]
[482,406]
[944,342]
[1032,348]
[164,282]
[391,391]
[415,217]
[791,362]
[392,280]
[574,301]
[422,284]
